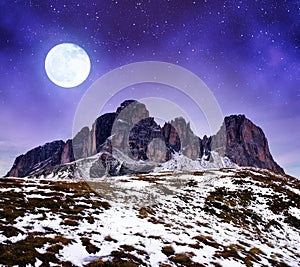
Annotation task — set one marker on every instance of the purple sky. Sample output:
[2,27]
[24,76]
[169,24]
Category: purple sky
[247,52]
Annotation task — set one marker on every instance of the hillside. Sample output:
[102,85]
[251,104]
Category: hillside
[224,217]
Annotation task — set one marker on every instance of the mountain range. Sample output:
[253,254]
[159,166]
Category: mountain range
[219,200]
[130,141]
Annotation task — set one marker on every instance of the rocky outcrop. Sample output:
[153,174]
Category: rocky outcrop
[131,131]
[141,135]
[101,130]
[128,117]
[86,143]
[82,144]
[67,155]
[42,157]
[89,142]
[180,137]
[245,143]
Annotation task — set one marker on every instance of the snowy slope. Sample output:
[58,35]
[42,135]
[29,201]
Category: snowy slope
[221,217]
[182,163]
[82,167]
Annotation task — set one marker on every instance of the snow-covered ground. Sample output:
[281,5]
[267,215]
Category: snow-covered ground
[219,217]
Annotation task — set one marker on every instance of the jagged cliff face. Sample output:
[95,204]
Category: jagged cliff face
[179,137]
[139,137]
[129,117]
[46,157]
[87,142]
[67,154]
[245,143]
[144,141]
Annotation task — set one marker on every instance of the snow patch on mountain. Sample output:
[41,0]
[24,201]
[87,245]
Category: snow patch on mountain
[182,163]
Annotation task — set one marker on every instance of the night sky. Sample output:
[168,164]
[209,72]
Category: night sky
[247,52]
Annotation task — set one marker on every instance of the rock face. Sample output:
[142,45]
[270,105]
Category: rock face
[180,137]
[131,117]
[89,142]
[143,133]
[42,157]
[245,143]
[101,130]
[67,153]
[86,143]
[131,131]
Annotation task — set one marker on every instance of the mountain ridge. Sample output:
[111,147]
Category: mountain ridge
[136,133]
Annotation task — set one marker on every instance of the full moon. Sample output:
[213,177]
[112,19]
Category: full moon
[67,65]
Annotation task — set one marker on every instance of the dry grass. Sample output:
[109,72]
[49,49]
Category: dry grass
[74,202]
[61,200]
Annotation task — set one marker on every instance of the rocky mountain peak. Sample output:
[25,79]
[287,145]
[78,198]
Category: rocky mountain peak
[138,136]
[180,137]
[124,104]
[245,143]
[132,111]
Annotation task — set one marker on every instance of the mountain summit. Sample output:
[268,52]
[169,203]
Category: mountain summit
[129,135]
[246,143]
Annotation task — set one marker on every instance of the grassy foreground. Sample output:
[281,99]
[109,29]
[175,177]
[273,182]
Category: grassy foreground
[246,217]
